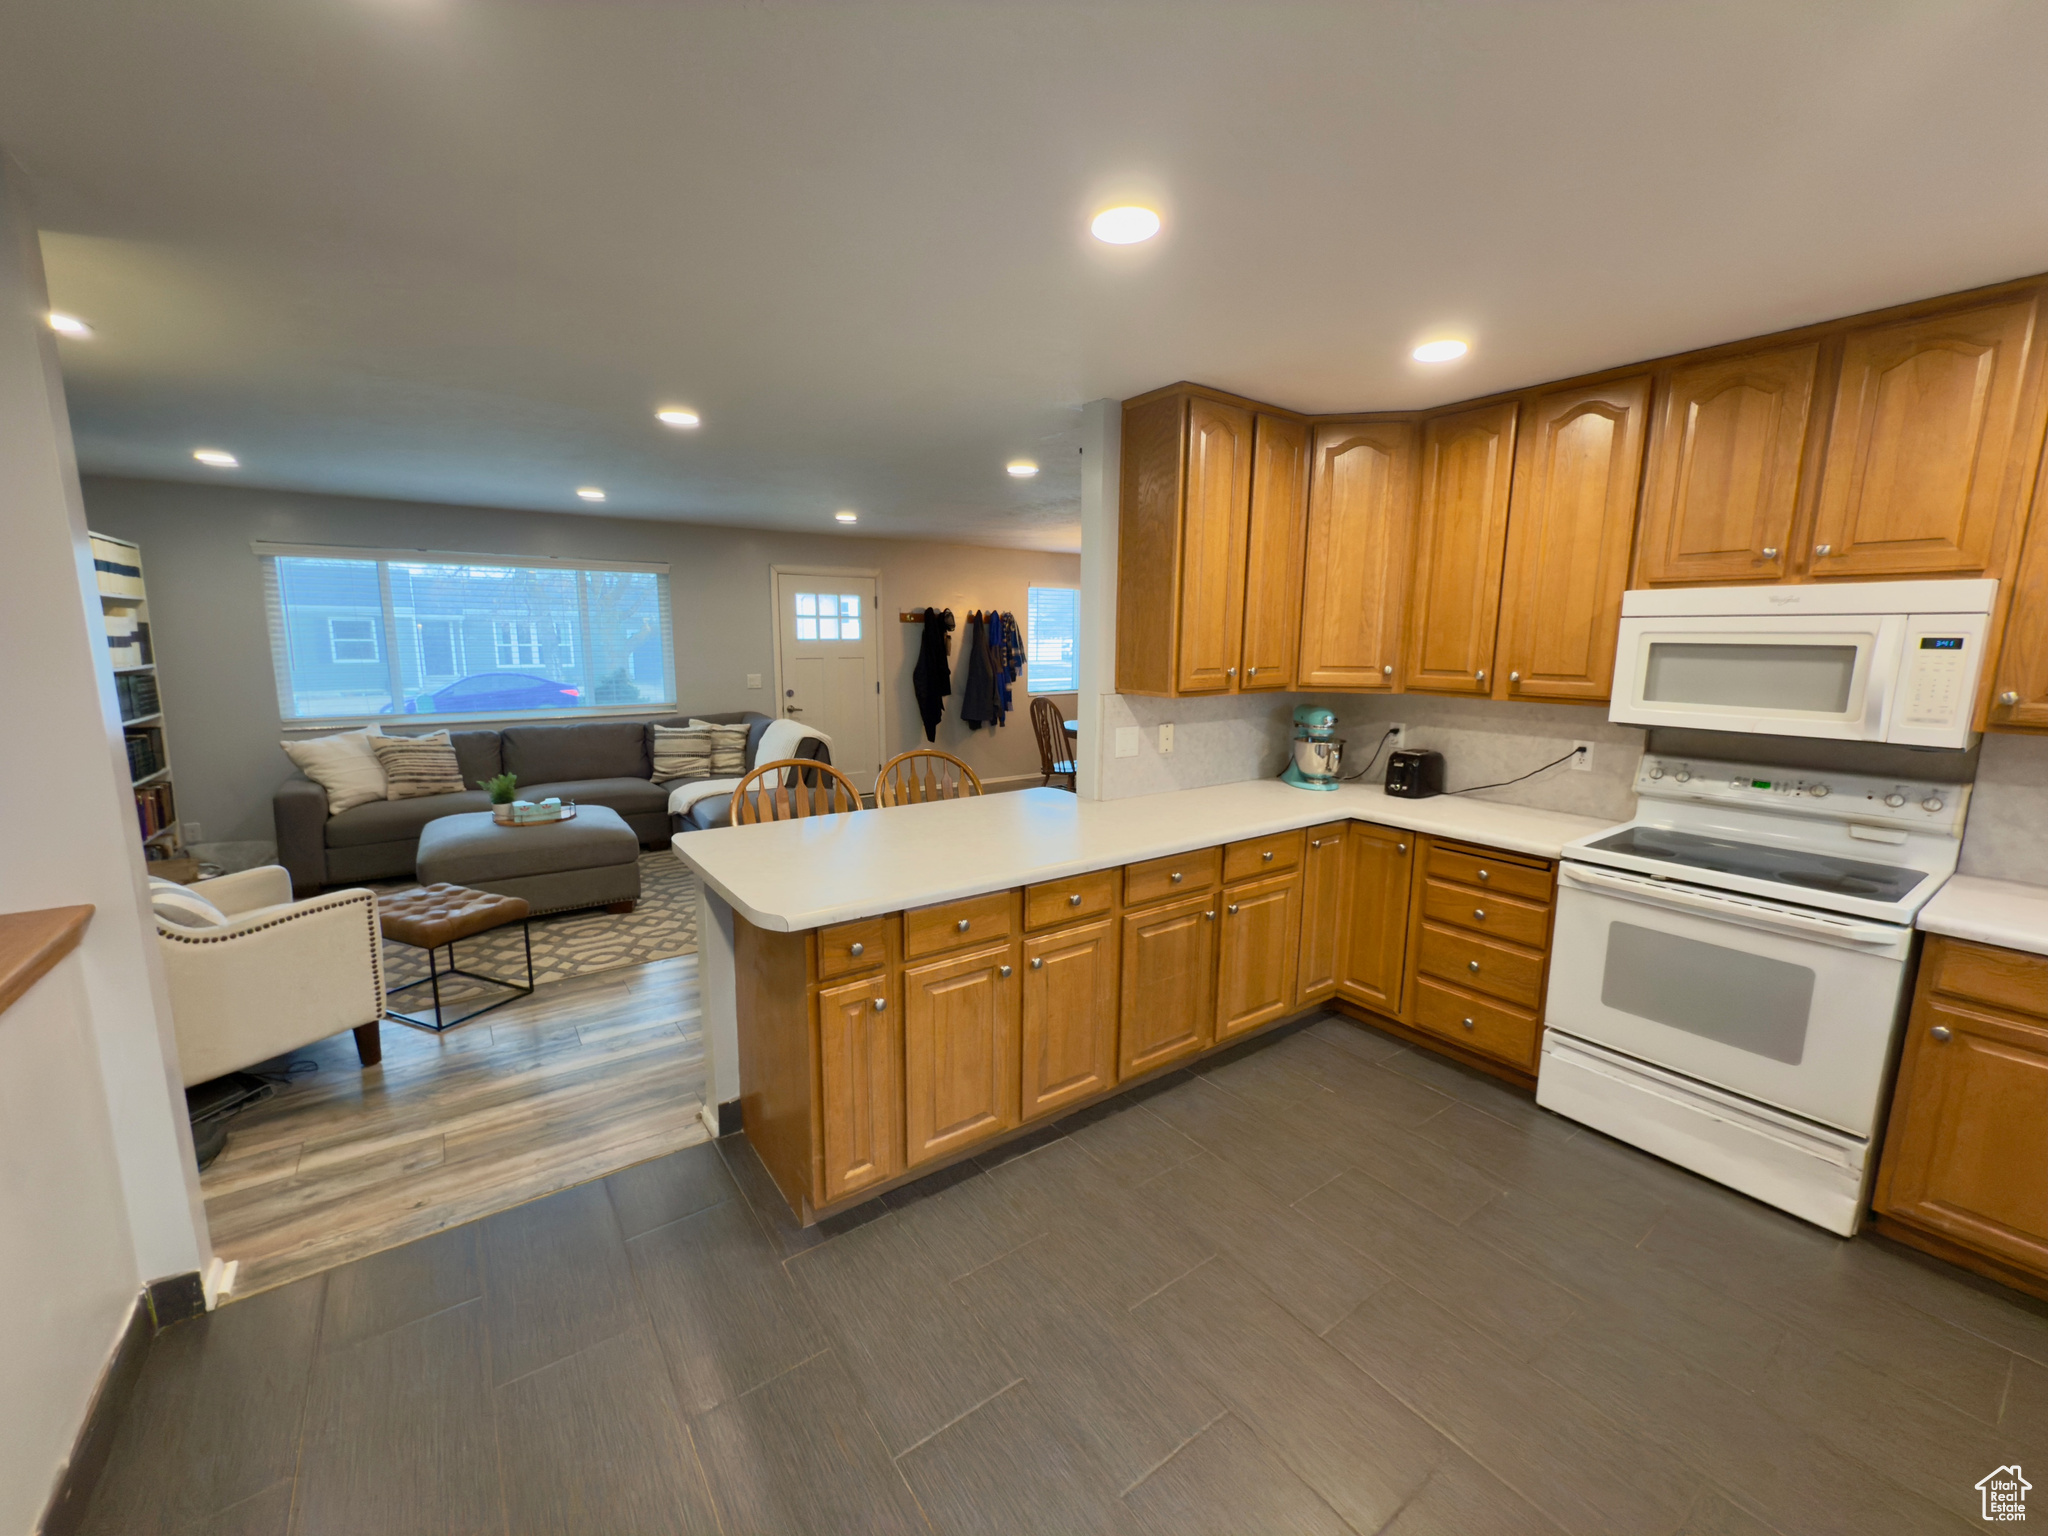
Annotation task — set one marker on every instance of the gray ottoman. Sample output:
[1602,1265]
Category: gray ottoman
[592,861]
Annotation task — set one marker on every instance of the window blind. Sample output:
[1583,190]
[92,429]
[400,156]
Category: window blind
[1052,640]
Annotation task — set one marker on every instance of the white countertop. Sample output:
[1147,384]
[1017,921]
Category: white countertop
[793,875]
[1990,911]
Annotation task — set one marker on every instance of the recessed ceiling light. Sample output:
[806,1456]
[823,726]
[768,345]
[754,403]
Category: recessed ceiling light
[218,458]
[677,417]
[1125,226]
[590,493]
[69,325]
[1440,351]
[846,517]
[1023,469]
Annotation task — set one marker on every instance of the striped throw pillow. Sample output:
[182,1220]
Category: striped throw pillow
[172,903]
[728,747]
[680,751]
[417,766]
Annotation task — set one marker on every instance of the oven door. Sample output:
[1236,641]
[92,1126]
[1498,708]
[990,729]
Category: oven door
[1792,1008]
[1827,675]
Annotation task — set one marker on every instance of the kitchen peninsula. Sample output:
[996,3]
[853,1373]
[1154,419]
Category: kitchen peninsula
[890,991]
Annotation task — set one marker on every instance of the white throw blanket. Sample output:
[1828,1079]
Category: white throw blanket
[778,741]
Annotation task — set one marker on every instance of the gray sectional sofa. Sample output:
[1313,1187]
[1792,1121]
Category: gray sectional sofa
[599,762]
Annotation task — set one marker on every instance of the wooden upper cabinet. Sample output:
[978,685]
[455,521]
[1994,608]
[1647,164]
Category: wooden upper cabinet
[1932,446]
[1578,463]
[1460,539]
[1724,469]
[1272,570]
[1212,554]
[2019,682]
[1361,505]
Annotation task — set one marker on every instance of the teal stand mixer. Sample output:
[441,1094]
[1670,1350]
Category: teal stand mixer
[1317,751]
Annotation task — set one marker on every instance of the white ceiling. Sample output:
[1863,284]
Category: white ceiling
[461,249]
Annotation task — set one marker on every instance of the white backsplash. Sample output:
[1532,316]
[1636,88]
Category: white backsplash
[2006,837]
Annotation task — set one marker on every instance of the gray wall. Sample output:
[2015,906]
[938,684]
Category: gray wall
[208,626]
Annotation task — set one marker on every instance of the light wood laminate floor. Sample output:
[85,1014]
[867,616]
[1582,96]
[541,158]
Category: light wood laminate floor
[1323,1284]
[584,1077]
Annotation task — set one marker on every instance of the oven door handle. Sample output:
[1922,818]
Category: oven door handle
[1657,894]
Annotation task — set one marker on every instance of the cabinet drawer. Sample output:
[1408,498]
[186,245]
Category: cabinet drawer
[1069,900]
[1157,879]
[1477,1023]
[1466,960]
[1262,856]
[1489,871]
[848,947]
[1487,912]
[951,924]
[2004,978]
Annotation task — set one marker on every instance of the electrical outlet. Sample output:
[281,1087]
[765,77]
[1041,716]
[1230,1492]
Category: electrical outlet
[753,679]
[188,832]
[1128,739]
[1166,738]
[1583,763]
[1397,740]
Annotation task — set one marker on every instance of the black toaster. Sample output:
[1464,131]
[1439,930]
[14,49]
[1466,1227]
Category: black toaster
[1415,775]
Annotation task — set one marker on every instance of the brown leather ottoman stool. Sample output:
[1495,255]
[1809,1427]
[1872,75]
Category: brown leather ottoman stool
[434,915]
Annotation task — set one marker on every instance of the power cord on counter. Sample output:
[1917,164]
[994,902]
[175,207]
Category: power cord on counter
[1376,751]
[1504,783]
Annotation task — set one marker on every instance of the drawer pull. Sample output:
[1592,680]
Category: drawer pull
[1074,900]
[1174,877]
[1479,913]
[881,1003]
[961,926]
[1941,1032]
[1315,842]
[856,949]
[2008,698]
[1038,962]
[1210,914]
[1468,1023]
[1484,875]
[1400,847]
[1003,971]
[1472,966]
[1232,909]
[1267,856]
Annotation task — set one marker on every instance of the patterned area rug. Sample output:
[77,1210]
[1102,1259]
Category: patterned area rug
[565,944]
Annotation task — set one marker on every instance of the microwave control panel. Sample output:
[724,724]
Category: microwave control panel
[1942,660]
[1848,797]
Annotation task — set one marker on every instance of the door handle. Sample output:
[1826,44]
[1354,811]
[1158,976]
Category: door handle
[1232,909]
[2009,698]
[792,709]
[1038,962]
[1480,674]
[1003,972]
[881,1003]
[1823,550]
[1387,671]
[1210,915]
[1734,909]
[1770,551]
[1400,847]
[1942,1032]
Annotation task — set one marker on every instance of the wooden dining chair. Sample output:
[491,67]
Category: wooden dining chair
[925,774]
[1055,746]
[773,793]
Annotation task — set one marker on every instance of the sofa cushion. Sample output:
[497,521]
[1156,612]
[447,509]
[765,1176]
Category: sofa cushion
[390,821]
[629,797]
[345,765]
[477,754]
[596,749]
[711,811]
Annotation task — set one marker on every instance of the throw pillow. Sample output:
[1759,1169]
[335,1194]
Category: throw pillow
[417,766]
[345,766]
[173,903]
[728,748]
[680,752]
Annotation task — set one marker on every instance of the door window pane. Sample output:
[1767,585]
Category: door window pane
[807,604]
[1812,679]
[1052,640]
[1750,1002]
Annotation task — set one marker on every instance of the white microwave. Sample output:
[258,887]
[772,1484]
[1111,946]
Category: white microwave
[1892,661]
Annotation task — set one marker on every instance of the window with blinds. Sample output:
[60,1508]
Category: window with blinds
[358,634]
[1052,640]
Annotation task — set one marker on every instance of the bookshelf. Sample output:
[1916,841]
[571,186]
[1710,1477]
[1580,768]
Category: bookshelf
[124,606]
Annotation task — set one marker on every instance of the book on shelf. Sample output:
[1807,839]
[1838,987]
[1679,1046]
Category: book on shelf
[155,809]
[137,694]
[145,752]
[117,566]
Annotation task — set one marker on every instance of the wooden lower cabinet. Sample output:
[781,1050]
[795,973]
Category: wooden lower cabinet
[860,1086]
[1069,1017]
[1966,1153]
[1322,915]
[1167,1008]
[960,1055]
[1257,953]
[1378,864]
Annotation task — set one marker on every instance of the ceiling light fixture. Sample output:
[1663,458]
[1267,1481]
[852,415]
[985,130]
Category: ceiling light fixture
[846,517]
[1023,469]
[1125,226]
[216,458]
[1440,351]
[678,417]
[69,325]
[590,493]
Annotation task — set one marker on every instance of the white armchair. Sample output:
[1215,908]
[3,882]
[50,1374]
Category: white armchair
[278,975]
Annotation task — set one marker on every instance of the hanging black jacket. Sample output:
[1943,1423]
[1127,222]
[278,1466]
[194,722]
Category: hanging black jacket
[978,702]
[933,678]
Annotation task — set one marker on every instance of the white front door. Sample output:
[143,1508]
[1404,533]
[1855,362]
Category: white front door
[828,660]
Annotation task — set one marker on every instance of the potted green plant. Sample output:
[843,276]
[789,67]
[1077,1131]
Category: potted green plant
[500,790]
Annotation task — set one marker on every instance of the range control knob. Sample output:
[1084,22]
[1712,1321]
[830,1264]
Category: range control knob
[1656,771]
[1895,800]
[1684,776]
[1737,783]
[1931,803]
[1818,791]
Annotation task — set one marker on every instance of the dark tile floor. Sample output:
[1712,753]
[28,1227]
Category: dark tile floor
[1329,1285]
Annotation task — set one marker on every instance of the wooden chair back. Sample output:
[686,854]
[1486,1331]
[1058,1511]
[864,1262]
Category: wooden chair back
[1055,751]
[925,774]
[773,793]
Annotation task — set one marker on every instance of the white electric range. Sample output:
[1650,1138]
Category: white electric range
[1729,972]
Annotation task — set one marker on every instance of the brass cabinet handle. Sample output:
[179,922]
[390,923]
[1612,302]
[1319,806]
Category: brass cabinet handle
[1175,877]
[881,1003]
[1003,971]
[961,926]
[1770,551]
[857,949]
[1941,1032]
[1232,909]
[1823,550]
[1472,965]
[2009,698]
[1037,962]
[1074,900]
